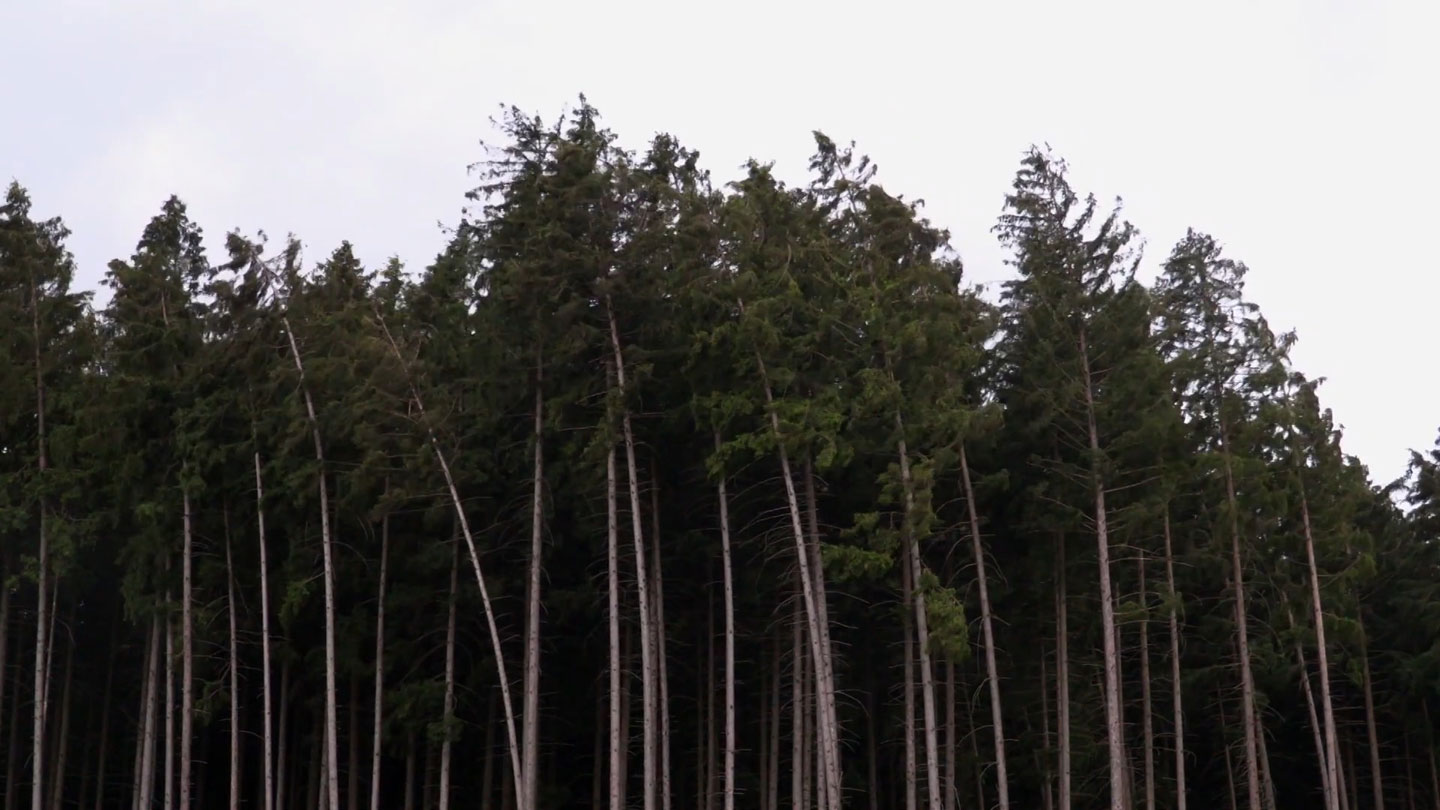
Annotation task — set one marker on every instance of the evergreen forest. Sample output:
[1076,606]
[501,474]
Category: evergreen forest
[659,491]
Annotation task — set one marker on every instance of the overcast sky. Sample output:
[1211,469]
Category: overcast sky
[1298,133]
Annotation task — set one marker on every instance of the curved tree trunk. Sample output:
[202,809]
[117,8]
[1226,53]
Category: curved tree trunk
[992,672]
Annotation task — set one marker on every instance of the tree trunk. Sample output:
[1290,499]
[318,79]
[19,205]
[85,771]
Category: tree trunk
[234,673]
[813,589]
[332,769]
[617,770]
[1176,696]
[1225,744]
[1062,671]
[1047,786]
[267,740]
[448,718]
[922,639]
[352,768]
[378,728]
[410,775]
[798,789]
[1329,762]
[775,674]
[42,577]
[12,757]
[1113,731]
[712,745]
[951,776]
[872,746]
[530,765]
[1377,779]
[282,734]
[4,648]
[168,792]
[642,586]
[187,654]
[1327,787]
[992,672]
[62,742]
[907,584]
[144,791]
[1247,681]
[729,639]
[1147,724]
[104,741]
[661,659]
[826,725]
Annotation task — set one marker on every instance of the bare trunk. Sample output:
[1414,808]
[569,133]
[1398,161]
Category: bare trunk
[1047,786]
[1225,744]
[774,787]
[1327,787]
[1113,731]
[1377,779]
[992,672]
[168,791]
[104,741]
[1267,780]
[497,648]
[729,640]
[332,769]
[764,728]
[798,788]
[647,647]
[531,762]
[812,587]
[922,638]
[149,707]
[661,659]
[1327,706]
[1147,724]
[951,777]
[62,743]
[234,673]
[1176,696]
[872,753]
[282,734]
[12,757]
[449,709]
[267,739]
[378,728]
[911,766]
[827,727]
[1062,671]
[42,578]
[352,768]
[187,655]
[617,770]
[712,765]
[1247,681]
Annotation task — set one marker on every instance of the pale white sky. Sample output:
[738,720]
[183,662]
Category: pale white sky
[1299,133]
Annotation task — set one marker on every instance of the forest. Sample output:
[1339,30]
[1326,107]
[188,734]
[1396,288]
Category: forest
[659,491]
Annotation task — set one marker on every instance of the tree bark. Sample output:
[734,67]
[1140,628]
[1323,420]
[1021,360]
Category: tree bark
[449,711]
[1377,778]
[1329,762]
[1247,681]
[531,762]
[1113,731]
[497,648]
[62,742]
[104,741]
[187,654]
[1062,671]
[642,586]
[1047,787]
[332,769]
[951,775]
[729,639]
[922,636]
[907,584]
[661,659]
[992,672]
[144,791]
[282,734]
[1225,744]
[798,789]
[267,740]
[378,728]
[775,674]
[234,673]
[1176,692]
[1327,787]
[42,578]
[352,768]
[617,770]
[1147,724]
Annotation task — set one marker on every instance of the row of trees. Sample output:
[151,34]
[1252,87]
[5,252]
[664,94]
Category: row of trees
[650,491]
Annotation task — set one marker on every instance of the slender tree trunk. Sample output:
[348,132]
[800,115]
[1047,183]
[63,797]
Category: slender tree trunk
[497,648]
[811,579]
[1267,779]
[1177,703]
[267,740]
[1329,762]
[798,788]
[617,770]
[168,792]
[282,734]
[42,577]
[647,647]
[872,746]
[1327,787]
[1377,778]
[234,672]
[775,673]
[662,661]
[827,726]
[144,791]
[1047,787]
[1147,723]
[1113,720]
[12,757]
[1225,744]
[187,655]
[951,776]
[104,741]
[1062,671]
[531,763]
[352,768]
[907,581]
[332,769]
[922,639]
[378,728]
[449,715]
[712,745]
[62,742]
[992,672]
[1352,777]
[729,638]
[1247,681]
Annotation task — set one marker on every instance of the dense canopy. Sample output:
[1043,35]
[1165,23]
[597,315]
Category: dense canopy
[652,489]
